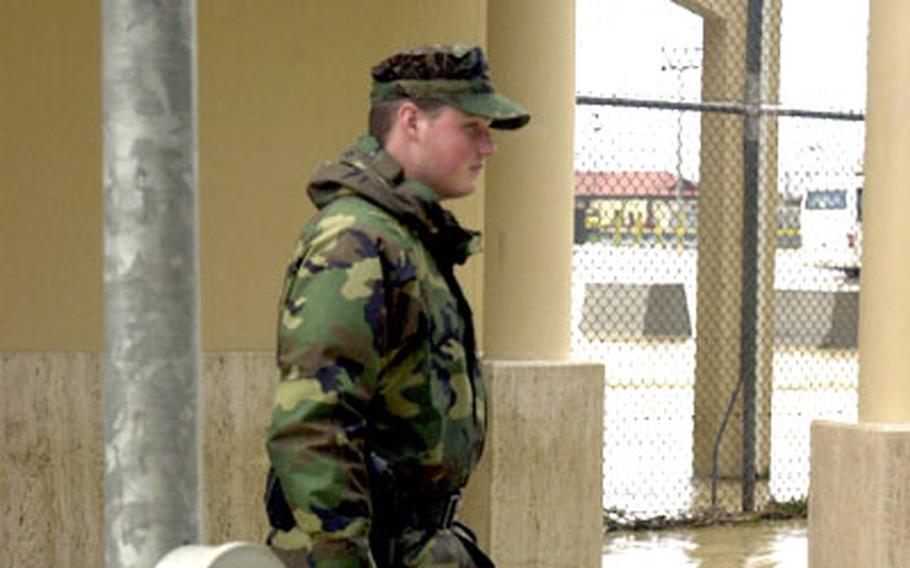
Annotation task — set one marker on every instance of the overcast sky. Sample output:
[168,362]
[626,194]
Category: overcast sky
[623,46]
[651,49]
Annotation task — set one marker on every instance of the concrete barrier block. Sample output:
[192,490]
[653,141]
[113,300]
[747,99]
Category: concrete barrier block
[816,319]
[666,312]
[844,325]
[635,311]
[613,311]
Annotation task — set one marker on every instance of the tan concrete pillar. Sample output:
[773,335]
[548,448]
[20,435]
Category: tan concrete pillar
[858,512]
[545,413]
[720,235]
[528,207]
[884,324]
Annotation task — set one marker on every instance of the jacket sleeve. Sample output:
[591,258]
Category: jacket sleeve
[330,328]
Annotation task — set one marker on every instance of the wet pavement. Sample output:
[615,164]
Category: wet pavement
[751,545]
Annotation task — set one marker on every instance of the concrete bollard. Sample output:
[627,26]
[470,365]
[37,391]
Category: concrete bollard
[230,555]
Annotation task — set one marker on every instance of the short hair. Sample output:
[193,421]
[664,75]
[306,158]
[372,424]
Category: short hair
[382,114]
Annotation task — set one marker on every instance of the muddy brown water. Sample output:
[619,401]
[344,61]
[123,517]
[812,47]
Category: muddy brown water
[781,544]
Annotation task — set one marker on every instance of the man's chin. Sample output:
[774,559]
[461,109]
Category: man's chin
[456,193]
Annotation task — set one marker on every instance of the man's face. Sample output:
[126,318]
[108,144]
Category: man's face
[451,149]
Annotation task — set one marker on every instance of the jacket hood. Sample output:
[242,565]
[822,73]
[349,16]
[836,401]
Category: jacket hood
[368,171]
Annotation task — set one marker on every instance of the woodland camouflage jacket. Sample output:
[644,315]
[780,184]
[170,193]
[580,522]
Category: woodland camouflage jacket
[376,355]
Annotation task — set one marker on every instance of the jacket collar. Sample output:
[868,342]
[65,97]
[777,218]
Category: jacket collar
[367,170]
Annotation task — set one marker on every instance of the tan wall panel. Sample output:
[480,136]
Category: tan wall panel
[859,514]
[239,392]
[535,500]
[52,458]
[282,90]
[50,175]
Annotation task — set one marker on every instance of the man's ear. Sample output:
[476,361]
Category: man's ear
[407,118]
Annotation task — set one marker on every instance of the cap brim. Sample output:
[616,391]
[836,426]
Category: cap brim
[505,114]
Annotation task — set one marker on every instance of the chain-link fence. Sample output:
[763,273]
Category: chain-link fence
[717,233]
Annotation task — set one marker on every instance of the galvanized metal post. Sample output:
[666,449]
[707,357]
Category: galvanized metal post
[151,388]
[750,259]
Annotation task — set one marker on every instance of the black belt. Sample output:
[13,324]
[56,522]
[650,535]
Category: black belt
[395,508]
[436,512]
[430,514]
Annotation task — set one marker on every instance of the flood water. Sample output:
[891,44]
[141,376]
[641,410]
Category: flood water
[751,545]
[648,448]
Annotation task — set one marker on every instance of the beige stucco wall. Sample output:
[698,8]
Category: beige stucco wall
[280,90]
[50,175]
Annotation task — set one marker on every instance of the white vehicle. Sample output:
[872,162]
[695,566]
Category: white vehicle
[831,228]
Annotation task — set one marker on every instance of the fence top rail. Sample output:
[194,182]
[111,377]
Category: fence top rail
[725,107]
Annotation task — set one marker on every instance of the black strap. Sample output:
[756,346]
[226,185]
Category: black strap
[276,505]
[469,541]
[425,514]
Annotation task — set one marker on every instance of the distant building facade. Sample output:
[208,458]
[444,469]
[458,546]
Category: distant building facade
[637,205]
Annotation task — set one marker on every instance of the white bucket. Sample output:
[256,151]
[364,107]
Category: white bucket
[230,555]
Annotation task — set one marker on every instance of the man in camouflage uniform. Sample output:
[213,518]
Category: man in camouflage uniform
[380,408]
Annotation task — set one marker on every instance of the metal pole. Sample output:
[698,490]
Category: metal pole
[749,288]
[151,368]
[680,62]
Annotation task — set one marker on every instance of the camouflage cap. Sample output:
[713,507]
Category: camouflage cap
[457,75]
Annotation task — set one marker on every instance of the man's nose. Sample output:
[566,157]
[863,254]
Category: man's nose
[486,146]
